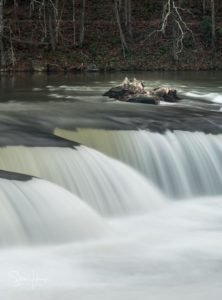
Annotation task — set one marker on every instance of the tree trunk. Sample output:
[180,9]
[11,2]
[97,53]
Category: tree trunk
[204,7]
[51,25]
[56,17]
[126,13]
[122,37]
[82,23]
[130,30]
[175,29]
[15,8]
[128,16]
[213,34]
[74,22]
[2,52]
[175,40]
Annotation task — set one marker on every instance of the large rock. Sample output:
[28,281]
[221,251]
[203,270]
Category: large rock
[134,91]
[166,94]
[143,98]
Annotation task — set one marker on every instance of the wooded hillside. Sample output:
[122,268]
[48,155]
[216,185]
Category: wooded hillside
[77,35]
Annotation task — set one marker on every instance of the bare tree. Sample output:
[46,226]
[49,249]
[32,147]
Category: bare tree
[82,23]
[74,22]
[12,53]
[172,15]
[128,16]
[51,24]
[204,7]
[122,37]
[57,20]
[213,34]
[2,52]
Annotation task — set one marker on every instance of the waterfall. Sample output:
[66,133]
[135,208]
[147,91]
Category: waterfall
[182,164]
[37,211]
[107,185]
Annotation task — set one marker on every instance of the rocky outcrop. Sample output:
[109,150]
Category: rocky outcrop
[134,91]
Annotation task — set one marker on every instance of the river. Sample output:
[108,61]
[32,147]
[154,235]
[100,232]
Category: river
[102,199]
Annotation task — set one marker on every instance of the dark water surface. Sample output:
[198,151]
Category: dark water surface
[20,86]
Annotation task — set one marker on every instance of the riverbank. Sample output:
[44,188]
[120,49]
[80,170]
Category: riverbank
[53,63]
[28,47]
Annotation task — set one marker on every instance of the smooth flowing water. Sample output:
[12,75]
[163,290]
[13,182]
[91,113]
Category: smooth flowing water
[103,220]
[182,164]
[33,211]
[107,185]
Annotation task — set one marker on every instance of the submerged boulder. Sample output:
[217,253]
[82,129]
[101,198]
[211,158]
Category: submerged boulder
[134,91]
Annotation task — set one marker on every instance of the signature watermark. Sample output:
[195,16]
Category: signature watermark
[30,280]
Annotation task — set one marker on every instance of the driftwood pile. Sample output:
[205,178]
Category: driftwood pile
[134,91]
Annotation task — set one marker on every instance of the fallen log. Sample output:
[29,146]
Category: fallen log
[134,91]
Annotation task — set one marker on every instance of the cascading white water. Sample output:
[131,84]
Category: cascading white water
[171,254]
[109,186]
[182,164]
[167,254]
[36,211]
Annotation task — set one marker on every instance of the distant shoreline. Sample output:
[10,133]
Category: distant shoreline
[48,68]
